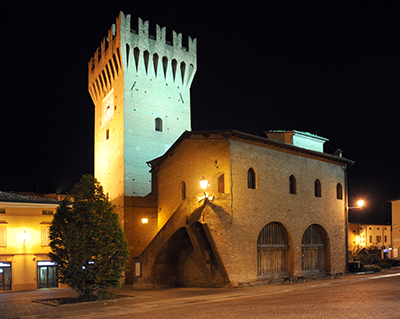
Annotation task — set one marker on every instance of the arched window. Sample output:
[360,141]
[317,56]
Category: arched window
[314,247]
[159,125]
[272,252]
[292,185]
[317,188]
[339,191]
[183,190]
[251,178]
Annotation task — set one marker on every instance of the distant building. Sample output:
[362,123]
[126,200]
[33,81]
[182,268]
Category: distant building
[24,242]
[395,227]
[279,201]
[377,236]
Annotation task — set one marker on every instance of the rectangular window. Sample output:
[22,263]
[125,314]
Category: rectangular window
[3,236]
[221,184]
[47,212]
[385,238]
[2,210]
[378,239]
[370,239]
[45,236]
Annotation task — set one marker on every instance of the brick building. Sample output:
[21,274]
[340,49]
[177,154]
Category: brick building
[279,201]
[278,210]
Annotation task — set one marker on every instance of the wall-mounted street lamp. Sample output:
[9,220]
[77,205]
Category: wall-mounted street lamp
[360,203]
[145,220]
[204,184]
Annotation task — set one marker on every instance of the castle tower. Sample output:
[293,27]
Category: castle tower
[140,86]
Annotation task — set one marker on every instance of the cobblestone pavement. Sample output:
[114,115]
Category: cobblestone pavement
[157,303]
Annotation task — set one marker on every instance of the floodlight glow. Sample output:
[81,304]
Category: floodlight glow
[203,183]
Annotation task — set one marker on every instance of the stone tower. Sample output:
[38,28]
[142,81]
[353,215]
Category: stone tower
[140,85]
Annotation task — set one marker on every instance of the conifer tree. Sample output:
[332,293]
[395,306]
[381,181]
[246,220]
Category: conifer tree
[87,241]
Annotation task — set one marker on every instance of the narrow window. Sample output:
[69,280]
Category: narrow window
[159,125]
[385,238]
[136,54]
[370,239]
[155,62]
[221,184]
[3,237]
[378,239]
[45,236]
[317,188]
[165,65]
[339,191]
[251,179]
[292,185]
[107,134]
[183,189]
[146,60]
[174,66]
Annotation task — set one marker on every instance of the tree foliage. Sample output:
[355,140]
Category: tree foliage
[87,241]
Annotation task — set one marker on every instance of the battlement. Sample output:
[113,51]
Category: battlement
[134,48]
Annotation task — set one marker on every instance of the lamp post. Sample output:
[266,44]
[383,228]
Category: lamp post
[360,203]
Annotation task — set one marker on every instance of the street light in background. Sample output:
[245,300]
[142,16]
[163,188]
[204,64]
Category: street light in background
[360,203]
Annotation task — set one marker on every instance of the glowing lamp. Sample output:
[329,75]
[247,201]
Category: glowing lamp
[203,183]
[145,220]
[360,203]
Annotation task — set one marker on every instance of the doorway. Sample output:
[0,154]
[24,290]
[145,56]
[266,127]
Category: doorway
[5,276]
[47,274]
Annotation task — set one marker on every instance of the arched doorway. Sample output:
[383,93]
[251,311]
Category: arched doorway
[272,252]
[313,250]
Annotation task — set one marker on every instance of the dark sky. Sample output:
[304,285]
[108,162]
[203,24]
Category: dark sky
[329,69]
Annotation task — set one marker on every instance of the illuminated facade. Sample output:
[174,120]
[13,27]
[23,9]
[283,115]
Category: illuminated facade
[278,211]
[370,236]
[396,228]
[279,207]
[140,85]
[24,242]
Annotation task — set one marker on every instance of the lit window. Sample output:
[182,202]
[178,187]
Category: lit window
[339,191]
[159,124]
[3,237]
[47,212]
[317,188]
[292,185]
[45,236]
[251,178]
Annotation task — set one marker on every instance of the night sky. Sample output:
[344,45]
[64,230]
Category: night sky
[331,70]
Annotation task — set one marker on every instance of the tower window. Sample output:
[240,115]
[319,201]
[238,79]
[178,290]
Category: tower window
[292,185]
[251,178]
[183,189]
[317,188]
[159,124]
[339,191]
